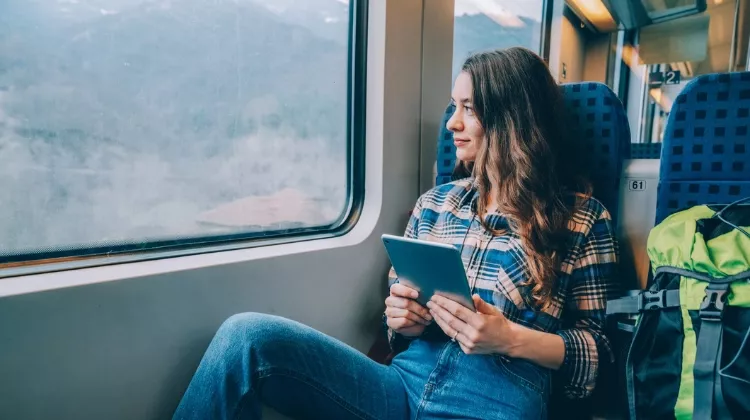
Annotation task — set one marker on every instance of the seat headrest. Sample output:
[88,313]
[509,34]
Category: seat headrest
[595,117]
[706,148]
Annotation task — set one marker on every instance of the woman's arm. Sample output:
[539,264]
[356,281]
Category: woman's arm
[411,329]
[488,331]
[542,348]
[575,350]
[593,281]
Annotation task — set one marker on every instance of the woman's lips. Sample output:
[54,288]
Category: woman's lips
[461,142]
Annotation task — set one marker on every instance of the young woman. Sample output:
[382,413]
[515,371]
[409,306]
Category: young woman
[540,256]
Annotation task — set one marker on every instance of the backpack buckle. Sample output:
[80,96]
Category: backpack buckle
[654,300]
[712,306]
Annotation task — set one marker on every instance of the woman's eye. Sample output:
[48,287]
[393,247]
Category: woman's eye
[469,110]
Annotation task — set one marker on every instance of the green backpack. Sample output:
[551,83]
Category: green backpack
[689,357]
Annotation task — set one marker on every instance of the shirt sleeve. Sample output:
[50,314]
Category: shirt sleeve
[397,341]
[593,282]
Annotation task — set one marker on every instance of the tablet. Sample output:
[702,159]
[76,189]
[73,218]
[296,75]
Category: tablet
[429,268]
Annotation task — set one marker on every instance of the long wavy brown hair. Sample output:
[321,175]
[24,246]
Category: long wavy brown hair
[525,160]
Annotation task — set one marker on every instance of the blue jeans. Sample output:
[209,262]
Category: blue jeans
[259,359]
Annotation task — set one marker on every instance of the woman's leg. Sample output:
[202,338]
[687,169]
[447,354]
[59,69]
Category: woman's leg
[296,370]
[460,386]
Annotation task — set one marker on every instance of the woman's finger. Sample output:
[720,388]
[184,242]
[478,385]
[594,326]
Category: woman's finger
[392,312]
[397,302]
[443,324]
[454,323]
[455,335]
[456,309]
[467,346]
[411,305]
[398,289]
[400,323]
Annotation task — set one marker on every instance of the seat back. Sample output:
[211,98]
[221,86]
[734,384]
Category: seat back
[645,151]
[595,117]
[706,151]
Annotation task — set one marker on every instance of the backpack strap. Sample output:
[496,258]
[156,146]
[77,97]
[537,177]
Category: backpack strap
[705,370]
[722,411]
[707,386]
[645,300]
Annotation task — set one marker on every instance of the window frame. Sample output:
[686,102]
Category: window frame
[545,38]
[76,257]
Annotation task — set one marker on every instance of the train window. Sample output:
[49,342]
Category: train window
[490,24]
[136,125]
[648,62]
[673,53]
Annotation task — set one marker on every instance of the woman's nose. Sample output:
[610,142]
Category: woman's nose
[454,123]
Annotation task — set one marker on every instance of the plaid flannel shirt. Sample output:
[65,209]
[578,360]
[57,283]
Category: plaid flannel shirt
[496,264]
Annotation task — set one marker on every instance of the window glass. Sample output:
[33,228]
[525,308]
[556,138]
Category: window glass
[491,24]
[128,123]
[675,52]
[660,6]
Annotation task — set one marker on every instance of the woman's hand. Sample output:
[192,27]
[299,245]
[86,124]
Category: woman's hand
[404,314]
[484,332]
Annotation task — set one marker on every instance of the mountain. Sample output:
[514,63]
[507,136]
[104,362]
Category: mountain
[478,32]
[197,67]
[326,18]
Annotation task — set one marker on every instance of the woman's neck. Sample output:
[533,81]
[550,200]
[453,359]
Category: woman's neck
[491,203]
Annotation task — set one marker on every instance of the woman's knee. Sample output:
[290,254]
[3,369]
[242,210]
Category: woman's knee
[252,328]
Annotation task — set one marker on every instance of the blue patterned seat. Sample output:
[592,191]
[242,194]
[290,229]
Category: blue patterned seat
[597,119]
[706,152]
[645,151]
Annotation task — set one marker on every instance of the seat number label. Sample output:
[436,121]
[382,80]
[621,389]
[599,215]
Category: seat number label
[637,185]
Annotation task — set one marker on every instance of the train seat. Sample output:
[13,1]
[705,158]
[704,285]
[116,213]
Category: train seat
[595,117]
[705,156]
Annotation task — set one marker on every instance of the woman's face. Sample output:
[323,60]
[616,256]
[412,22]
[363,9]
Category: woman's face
[468,133]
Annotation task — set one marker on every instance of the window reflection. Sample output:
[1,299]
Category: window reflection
[673,53]
[663,5]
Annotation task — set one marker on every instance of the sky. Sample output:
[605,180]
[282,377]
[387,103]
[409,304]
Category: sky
[527,8]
